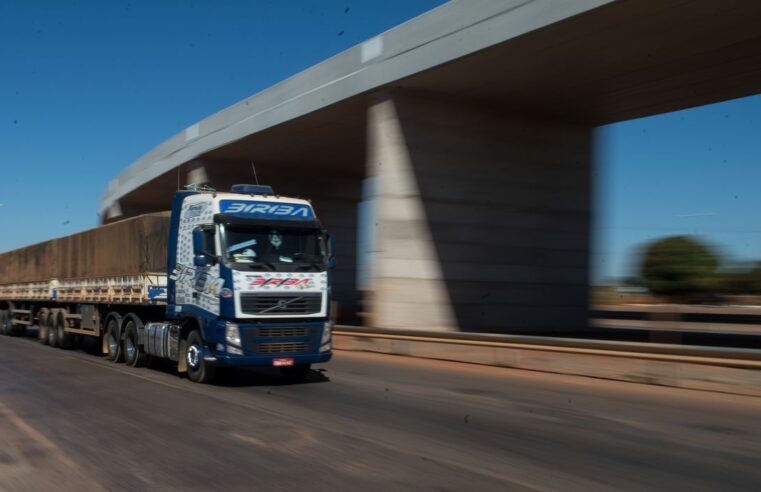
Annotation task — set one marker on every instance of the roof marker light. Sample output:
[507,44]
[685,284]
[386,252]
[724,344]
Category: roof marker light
[250,189]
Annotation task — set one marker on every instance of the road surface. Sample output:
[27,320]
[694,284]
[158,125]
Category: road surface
[71,421]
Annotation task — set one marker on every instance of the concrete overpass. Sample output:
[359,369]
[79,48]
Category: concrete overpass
[475,121]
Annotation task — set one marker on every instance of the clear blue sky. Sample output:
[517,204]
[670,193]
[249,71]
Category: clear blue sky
[694,172]
[86,87]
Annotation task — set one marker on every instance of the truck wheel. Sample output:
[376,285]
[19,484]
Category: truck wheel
[64,339]
[42,327]
[4,322]
[19,330]
[52,331]
[295,374]
[134,356]
[111,337]
[199,371]
[10,328]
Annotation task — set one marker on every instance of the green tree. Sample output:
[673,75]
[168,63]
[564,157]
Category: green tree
[679,266]
[754,280]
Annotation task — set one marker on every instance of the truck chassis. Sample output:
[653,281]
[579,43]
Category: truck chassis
[107,307]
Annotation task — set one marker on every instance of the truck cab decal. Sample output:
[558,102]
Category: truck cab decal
[266,210]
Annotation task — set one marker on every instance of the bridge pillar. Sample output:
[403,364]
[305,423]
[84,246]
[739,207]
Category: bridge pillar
[482,220]
[336,205]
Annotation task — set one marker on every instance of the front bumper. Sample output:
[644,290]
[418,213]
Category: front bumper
[261,343]
[266,361]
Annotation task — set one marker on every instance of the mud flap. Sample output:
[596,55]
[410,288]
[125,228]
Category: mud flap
[182,361]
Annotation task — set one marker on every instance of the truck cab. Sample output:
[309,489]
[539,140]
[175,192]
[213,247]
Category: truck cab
[251,270]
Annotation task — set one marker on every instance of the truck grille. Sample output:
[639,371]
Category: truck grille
[279,304]
[281,348]
[284,332]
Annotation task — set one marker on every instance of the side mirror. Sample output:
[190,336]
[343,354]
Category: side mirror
[332,262]
[198,242]
[201,256]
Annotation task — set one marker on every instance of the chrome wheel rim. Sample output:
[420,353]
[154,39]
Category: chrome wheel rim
[194,356]
[130,349]
[112,345]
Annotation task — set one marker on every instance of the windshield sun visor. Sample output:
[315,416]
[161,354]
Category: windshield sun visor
[282,224]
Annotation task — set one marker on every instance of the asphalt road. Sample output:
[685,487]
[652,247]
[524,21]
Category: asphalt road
[71,421]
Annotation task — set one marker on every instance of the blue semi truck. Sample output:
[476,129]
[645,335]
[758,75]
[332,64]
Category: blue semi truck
[222,280]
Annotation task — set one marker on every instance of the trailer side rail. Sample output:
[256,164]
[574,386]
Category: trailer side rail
[122,289]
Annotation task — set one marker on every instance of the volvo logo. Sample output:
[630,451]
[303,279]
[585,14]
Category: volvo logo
[281,304]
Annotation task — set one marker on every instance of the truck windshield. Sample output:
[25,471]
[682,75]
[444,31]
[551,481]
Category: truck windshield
[270,248]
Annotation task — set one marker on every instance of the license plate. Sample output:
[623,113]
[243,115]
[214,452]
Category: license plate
[282,362]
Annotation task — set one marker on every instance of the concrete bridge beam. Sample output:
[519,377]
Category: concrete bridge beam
[482,218]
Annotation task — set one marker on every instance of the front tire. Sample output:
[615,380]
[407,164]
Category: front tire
[199,371]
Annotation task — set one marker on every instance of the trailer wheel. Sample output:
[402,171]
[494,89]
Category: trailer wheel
[4,322]
[42,327]
[7,323]
[64,338]
[199,371]
[18,330]
[111,339]
[295,374]
[134,356]
[52,331]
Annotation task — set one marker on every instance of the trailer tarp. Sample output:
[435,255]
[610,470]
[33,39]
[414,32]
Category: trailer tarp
[129,247]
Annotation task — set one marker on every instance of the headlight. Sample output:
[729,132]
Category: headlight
[327,332]
[232,337]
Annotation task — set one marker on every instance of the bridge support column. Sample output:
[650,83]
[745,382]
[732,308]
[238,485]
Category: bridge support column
[481,220]
[338,213]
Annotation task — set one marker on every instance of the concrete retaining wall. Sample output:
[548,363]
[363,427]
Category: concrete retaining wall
[658,369]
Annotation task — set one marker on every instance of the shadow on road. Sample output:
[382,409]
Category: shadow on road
[240,377]
[226,377]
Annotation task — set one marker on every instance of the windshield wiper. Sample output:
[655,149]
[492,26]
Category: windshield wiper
[257,264]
